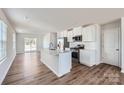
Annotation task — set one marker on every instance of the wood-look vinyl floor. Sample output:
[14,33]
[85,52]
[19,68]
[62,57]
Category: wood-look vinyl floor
[28,70]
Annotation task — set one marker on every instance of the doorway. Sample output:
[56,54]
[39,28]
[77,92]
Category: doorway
[111,43]
[30,44]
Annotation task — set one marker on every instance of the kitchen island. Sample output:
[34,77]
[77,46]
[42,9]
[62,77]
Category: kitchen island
[59,62]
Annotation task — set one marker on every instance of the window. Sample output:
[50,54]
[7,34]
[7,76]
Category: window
[14,41]
[3,40]
[30,44]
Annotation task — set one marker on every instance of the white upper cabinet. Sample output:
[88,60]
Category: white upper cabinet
[70,36]
[89,32]
[65,33]
[62,34]
[77,31]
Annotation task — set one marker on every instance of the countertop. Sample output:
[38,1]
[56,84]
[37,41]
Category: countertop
[54,52]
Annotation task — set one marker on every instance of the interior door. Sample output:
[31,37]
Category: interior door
[111,44]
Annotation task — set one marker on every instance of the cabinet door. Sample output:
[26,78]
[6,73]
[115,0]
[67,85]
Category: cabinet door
[85,57]
[92,33]
[84,34]
[74,32]
[77,31]
[65,33]
[70,36]
[89,33]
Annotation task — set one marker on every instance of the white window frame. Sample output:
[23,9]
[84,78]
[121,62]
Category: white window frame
[3,30]
[14,41]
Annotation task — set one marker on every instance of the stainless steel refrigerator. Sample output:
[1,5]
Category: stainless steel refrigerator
[62,43]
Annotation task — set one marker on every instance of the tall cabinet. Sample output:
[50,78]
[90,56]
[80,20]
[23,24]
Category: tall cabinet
[91,38]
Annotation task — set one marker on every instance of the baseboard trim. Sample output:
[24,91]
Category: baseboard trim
[5,73]
[19,53]
[97,63]
[26,52]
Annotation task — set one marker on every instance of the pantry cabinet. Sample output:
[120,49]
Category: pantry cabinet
[89,32]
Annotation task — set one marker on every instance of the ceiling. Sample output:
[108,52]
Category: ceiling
[43,20]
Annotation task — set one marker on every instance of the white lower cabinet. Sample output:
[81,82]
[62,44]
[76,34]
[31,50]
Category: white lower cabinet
[87,57]
[60,63]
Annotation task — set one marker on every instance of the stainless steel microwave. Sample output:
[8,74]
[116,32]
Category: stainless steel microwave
[77,38]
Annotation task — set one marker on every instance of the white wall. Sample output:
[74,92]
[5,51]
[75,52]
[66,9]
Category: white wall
[122,45]
[20,41]
[11,52]
[50,38]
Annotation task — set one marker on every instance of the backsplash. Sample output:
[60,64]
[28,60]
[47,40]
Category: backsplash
[74,44]
[88,45]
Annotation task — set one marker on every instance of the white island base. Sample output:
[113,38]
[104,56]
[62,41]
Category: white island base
[59,62]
